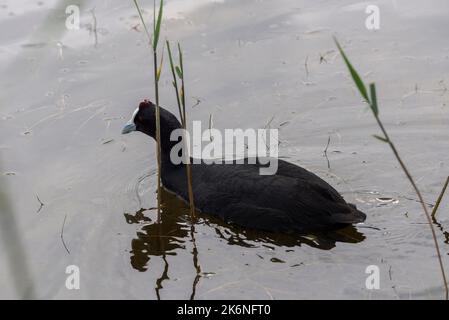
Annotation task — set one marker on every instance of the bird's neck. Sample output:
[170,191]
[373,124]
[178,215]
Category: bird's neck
[167,163]
[169,148]
[170,154]
[172,175]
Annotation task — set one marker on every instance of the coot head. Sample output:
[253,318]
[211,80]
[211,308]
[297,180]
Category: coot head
[144,120]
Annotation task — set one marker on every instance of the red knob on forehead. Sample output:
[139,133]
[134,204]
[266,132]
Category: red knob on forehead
[144,104]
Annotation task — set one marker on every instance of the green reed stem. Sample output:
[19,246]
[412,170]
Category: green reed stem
[372,102]
[154,42]
[180,98]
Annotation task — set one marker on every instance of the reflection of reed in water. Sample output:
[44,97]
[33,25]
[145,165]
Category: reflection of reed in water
[163,238]
[158,239]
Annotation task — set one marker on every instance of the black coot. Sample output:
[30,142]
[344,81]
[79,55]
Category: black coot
[292,200]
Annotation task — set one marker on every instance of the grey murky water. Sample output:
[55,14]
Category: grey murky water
[64,100]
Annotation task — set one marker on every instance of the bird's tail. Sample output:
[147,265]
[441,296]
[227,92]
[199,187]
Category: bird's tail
[353,216]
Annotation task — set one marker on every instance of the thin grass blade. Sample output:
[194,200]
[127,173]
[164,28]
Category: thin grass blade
[182,94]
[373,104]
[180,58]
[179,72]
[157,27]
[143,21]
[383,139]
[170,58]
[154,15]
[159,70]
[355,76]
[174,82]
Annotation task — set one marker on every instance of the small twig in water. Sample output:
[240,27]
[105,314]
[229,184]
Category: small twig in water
[197,102]
[107,141]
[325,152]
[306,66]
[41,204]
[94,27]
[62,235]
[136,27]
[322,59]
[267,126]
[443,85]
[210,127]
[440,197]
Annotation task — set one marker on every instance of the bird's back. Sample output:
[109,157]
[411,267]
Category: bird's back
[292,200]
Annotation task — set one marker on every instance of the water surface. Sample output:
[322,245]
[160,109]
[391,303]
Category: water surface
[66,95]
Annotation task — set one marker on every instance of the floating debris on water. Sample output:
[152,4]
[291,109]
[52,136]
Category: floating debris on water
[41,204]
[34,45]
[386,200]
[107,141]
[297,265]
[207,275]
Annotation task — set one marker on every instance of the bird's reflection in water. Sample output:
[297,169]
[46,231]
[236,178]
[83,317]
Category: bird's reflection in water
[174,231]
[163,238]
